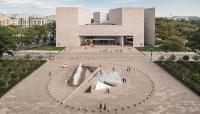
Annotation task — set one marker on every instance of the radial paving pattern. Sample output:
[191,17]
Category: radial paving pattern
[137,90]
[149,89]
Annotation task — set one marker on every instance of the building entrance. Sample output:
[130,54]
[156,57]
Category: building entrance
[99,40]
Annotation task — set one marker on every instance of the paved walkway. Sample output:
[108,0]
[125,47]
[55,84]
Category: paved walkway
[149,89]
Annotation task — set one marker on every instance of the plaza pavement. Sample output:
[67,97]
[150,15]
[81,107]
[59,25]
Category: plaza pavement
[149,89]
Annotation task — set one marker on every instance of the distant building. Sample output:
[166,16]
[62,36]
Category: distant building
[14,21]
[22,20]
[25,20]
[186,18]
[4,20]
[50,19]
[100,17]
[37,20]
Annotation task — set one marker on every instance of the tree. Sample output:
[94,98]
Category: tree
[196,58]
[172,58]
[52,31]
[41,32]
[29,36]
[172,46]
[18,32]
[27,57]
[7,41]
[5,76]
[186,58]
[194,42]
[162,58]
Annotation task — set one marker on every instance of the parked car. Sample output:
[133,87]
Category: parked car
[65,66]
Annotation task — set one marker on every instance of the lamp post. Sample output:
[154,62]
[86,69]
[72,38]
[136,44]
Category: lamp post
[49,53]
[151,53]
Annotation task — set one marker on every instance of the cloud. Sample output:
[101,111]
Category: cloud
[125,1]
[49,4]
[3,11]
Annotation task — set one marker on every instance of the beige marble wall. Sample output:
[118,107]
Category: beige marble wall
[71,24]
[149,21]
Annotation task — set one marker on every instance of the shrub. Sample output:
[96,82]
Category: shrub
[187,72]
[162,58]
[186,58]
[172,58]
[40,57]
[27,57]
[196,58]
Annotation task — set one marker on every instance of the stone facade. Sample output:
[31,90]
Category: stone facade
[72,23]
[149,20]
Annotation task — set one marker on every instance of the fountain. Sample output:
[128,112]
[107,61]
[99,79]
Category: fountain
[77,75]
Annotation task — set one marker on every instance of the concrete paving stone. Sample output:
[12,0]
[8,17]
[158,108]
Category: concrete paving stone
[149,89]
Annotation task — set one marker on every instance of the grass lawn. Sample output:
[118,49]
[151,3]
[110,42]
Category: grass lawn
[13,71]
[49,47]
[187,72]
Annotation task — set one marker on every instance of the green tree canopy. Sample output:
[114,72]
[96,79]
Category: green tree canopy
[194,42]
[7,41]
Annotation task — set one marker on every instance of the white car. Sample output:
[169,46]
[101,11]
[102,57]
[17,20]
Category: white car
[65,66]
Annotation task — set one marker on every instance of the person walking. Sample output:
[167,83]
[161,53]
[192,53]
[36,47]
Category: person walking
[104,108]
[108,91]
[100,106]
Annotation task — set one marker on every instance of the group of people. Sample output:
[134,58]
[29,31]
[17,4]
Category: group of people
[102,106]
[128,69]
[120,50]
[124,80]
[104,51]
[116,51]
[107,90]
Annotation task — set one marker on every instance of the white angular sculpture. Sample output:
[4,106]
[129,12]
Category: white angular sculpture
[113,78]
[101,86]
[77,75]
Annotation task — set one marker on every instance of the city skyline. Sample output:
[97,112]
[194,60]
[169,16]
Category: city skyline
[164,8]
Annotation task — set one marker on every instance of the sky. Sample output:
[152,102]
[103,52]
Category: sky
[164,8]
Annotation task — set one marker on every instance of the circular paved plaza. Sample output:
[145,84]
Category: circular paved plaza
[137,90]
[148,90]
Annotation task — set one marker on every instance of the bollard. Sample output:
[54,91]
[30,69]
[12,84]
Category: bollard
[116,110]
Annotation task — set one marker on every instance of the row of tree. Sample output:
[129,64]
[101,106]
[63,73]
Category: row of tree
[13,71]
[12,37]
